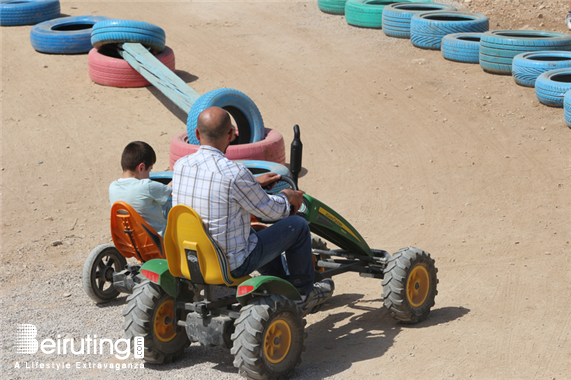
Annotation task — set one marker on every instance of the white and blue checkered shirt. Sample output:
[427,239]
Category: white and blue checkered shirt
[224,193]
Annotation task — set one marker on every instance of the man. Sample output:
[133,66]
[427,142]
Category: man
[224,193]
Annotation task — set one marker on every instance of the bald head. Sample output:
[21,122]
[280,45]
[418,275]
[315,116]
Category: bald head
[213,124]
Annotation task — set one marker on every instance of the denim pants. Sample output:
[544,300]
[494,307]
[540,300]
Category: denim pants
[292,236]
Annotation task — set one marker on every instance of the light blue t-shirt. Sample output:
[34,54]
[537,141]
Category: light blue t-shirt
[145,196]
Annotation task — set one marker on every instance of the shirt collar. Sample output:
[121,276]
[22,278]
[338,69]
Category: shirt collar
[210,149]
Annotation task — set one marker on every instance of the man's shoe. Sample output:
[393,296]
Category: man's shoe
[568,20]
[321,292]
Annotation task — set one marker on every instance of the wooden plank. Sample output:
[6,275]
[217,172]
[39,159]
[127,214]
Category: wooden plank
[159,75]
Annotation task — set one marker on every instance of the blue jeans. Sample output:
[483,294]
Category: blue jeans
[292,236]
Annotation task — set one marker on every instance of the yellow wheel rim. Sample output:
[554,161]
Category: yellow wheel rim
[417,286]
[164,330]
[277,341]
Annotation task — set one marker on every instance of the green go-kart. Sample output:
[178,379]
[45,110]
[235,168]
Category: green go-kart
[258,319]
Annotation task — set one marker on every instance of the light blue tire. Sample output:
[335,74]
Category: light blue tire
[526,67]
[368,13]
[396,17]
[334,7]
[567,108]
[239,105]
[428,29]
[262,167]
[27,12]
[551,86]
[461,47]
[121,31]
[499,47]
[66,35]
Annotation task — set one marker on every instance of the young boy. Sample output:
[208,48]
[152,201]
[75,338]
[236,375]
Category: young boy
[136,189]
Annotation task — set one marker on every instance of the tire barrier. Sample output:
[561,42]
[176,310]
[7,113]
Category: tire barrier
[396,17]
[551,86]
[107,68]
[66,35]
[271,148]
[244,111]
[27,12]
[526,67]
[121,31]
[567,108]
[428,29]
[335,7]
[369,13]
[462,47]
[499,47]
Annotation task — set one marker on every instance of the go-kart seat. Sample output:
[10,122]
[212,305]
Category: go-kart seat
[132,236]
[192,253]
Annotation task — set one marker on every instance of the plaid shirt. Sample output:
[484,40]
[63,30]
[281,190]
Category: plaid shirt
[224,193]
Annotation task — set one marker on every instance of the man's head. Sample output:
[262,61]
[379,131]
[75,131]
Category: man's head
[214,128]
[138,157]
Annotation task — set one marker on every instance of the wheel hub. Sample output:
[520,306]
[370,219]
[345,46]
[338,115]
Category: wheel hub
[277,341]
[417,286]
[164,330]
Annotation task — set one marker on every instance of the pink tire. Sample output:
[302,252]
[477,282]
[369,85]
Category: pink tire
[271,148]
[116,72]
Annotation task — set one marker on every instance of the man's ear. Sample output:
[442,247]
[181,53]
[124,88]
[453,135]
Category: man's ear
[197,134]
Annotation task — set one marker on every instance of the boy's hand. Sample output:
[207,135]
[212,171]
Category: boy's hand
[268,180]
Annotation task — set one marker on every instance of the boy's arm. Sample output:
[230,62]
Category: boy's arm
[159,192]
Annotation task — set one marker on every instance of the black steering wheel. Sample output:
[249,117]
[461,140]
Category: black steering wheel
[284,183]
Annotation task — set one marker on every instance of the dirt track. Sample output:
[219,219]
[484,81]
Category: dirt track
[411,148]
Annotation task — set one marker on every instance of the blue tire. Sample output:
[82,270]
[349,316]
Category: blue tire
[67,35]
[462,47]
[526,67]
[567,108]
[428,29]
[262,167]
[499,47]
[121,31]
[334,7]
[369,13]
[27,12]
[551,86]
[396,17]
[239,105]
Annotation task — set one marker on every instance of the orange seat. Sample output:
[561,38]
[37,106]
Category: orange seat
[132,236]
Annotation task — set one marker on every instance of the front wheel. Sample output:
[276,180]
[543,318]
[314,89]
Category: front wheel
[409,285]
[268,339]
[97,278]
[149,314]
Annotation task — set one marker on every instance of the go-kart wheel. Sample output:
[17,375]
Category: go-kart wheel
[98,271]
[268,339]
[149,314]
[409,286]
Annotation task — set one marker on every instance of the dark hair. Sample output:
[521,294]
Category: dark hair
[137,152]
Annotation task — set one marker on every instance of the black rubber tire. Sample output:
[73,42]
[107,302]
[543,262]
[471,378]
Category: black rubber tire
[396,17]
[428,29]
[462,47]
[551,86]
[66,35]
[397,278]
[526,67]
[252,330]
[28,12]
[142,309]
[499,47]
[121,31]
[334,7]
[97,276]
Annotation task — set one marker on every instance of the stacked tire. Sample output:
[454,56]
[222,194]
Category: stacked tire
[396,17]
[499,47]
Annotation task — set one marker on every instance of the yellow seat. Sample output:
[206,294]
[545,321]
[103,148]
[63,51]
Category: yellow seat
[192,253]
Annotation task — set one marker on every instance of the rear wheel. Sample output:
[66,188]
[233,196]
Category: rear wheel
[268,339]
[149,314]
[97,277]
[409,285]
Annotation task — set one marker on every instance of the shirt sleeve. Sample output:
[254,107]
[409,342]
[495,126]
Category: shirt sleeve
[250,195]
[159,192]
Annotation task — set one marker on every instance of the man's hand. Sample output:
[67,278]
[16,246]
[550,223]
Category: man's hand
[268,180]
[294,197]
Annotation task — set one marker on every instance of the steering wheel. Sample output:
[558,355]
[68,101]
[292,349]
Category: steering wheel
[284,183]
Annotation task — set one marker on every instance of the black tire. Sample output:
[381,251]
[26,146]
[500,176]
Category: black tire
[97,277]
[428,29]
[526,67]
[409,286]
[499,47]
[145,316]
[551,86]
[396,17]
[27,12]
[462,47]
[268,338]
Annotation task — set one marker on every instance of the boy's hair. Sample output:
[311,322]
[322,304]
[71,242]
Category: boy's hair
[137,152]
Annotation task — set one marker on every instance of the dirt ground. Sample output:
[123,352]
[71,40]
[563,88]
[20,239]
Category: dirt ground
[414,150]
